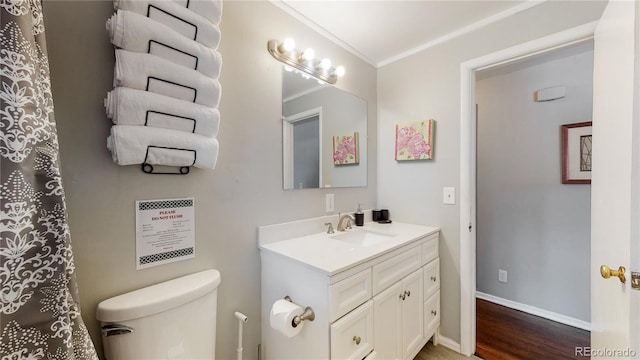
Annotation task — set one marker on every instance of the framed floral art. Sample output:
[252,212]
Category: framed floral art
[345,149]
[414,140]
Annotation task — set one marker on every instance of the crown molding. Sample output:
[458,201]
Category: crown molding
[322,31]
[463,31]
[442,39]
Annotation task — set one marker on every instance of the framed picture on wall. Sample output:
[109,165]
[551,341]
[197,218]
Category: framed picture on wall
[576,153]
[414,140]
[345,149]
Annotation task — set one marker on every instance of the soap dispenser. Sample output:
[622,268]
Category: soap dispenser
[359,215]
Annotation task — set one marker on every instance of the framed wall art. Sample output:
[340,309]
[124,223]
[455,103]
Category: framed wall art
[345,149]
[414,140]
[576,153]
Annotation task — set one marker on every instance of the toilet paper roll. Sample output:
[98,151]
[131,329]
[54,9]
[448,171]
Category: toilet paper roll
[281,318]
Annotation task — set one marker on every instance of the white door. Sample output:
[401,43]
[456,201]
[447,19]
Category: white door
[615,182]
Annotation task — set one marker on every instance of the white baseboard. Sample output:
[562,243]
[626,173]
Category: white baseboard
[563,319]
[448,343]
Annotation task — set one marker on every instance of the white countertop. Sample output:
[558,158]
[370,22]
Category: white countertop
[332,256]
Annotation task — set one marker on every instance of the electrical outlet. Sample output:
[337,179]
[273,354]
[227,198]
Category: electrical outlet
[502,276]
[328,203]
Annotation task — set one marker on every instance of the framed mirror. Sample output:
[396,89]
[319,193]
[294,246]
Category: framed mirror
[324,133]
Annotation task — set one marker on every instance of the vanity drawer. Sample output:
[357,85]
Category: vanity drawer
[390,271]
[352,336]
[431,278]
[430,249]
[432,314]
[347,294]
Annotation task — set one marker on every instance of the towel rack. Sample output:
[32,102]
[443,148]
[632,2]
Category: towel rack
[151,42]
[195,91]
[182,170]
[195,27]
[146,118]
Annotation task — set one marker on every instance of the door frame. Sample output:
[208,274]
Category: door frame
[468,161]
[287,145]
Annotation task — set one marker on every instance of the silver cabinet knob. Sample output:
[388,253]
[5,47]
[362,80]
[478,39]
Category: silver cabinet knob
[434,312]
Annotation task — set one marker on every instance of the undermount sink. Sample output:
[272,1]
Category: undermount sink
[362,237]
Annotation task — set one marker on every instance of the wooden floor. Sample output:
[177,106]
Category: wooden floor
[505,334]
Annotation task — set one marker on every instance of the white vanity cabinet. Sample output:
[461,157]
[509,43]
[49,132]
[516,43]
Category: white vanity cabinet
[386,304]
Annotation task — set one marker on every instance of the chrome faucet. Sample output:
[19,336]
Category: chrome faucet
[345,222]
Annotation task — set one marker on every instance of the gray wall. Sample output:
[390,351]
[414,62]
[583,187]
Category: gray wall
[231,201]
[528,222]
[427,85]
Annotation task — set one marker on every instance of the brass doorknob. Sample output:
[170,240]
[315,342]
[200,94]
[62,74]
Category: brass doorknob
[606,273]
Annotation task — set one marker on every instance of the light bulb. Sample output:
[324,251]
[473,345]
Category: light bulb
[308,54]
[325,64]
[288,44]
[340,70]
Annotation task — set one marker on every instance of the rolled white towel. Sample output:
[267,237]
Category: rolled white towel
[134,32]
[211,9]
[149,72]
[130,145]
[126,106]
[182,20]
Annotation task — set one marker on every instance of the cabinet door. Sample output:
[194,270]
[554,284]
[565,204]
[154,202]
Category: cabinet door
[412,314]
[430,249]
[349,293]
[431,278]
[394,269]
[432,314]
[387,317]
[351,336]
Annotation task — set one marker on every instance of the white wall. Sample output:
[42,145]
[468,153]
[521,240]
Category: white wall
[244,191]
[427,85]
[528,222]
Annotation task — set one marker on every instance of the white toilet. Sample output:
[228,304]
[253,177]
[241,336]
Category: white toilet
[175,319]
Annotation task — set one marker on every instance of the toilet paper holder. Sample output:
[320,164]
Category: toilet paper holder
[308,314]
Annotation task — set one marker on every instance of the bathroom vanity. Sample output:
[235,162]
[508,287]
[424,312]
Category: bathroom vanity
[373,289]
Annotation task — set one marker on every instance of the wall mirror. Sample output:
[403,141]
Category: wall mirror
[324,133]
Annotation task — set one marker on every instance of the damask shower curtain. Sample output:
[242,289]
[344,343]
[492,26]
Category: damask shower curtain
[39,314]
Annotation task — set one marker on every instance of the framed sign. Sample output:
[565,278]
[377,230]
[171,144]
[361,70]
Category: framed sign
[165,231]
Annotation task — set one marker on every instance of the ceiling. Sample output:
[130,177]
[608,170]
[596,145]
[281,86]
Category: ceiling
[381,32]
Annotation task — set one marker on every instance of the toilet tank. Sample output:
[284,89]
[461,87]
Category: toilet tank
[175,319]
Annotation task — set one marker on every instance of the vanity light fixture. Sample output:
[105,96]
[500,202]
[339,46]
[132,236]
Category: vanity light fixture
[304,61]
